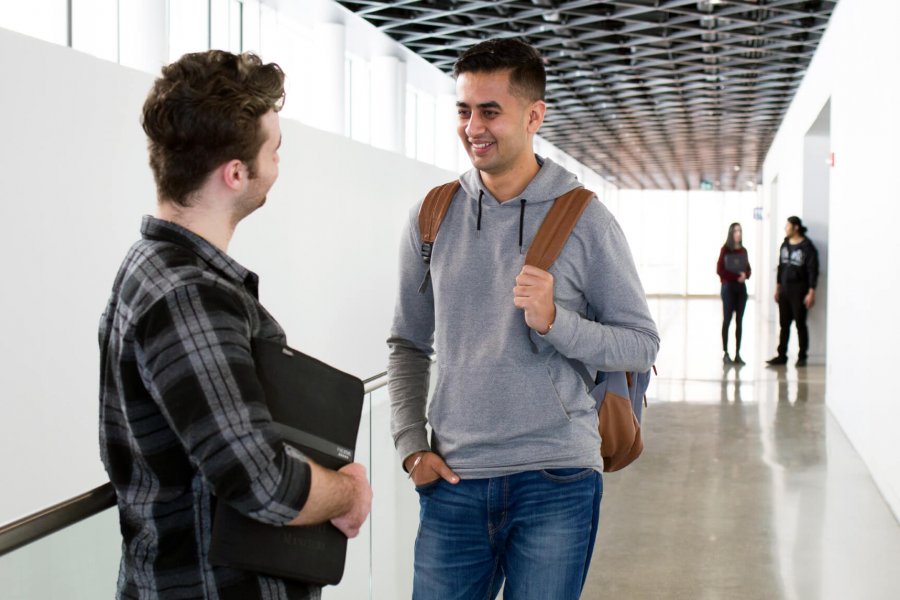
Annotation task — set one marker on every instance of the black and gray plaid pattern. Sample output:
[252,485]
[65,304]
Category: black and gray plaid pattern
[183,421]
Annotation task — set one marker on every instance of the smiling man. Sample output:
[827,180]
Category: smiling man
[509,484]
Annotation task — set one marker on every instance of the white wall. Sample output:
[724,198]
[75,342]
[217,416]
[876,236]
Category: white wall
[854,67]
[816,216]
[76,183]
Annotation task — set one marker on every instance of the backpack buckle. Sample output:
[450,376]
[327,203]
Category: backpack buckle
[426,251]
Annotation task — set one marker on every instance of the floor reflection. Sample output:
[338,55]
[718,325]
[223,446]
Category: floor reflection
[747,487]
[799,469]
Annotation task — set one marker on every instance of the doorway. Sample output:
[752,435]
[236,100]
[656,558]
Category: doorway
[816,202]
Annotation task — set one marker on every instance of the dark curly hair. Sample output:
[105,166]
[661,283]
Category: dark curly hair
[205,110]
[527,79]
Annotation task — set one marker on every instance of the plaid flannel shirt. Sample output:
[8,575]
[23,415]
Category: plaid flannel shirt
[183,420]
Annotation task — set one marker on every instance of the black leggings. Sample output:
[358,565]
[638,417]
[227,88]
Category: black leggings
[734,299]
[792,308]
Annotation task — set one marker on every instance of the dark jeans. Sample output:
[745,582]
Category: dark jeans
[734,300]
[791,308]
[534,530]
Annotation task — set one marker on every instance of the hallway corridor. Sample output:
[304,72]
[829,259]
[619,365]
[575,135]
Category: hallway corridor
[747,487]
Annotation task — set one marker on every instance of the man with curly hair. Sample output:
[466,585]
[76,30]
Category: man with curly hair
[183,419]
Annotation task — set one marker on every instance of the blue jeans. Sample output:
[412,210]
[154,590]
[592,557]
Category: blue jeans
[535,530]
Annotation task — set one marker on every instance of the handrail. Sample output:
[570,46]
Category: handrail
[44,522]
[375,382]
[59,516]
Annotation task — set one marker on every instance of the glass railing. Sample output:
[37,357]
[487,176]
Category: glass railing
[379,560]
[78,562]
[72,550]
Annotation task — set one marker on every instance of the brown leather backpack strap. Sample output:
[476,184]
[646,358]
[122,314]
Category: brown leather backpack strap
[432,213]
[557,226]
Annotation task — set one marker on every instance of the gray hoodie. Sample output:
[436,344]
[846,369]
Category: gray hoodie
[507,399]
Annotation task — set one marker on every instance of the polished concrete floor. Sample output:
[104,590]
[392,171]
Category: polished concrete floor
[747,487]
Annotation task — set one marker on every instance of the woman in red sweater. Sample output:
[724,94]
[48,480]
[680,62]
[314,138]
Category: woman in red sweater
[733,269]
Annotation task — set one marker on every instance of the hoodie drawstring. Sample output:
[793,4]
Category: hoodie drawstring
[480,203]
[521,223]
[523,201]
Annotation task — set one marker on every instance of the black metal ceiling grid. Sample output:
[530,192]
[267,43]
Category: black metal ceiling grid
[653,94]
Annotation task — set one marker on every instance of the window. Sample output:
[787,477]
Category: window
[142,35]
[95,28]
[447,143]
[44,19]
[425,127]
[359,99]
[675,236]
[662,241]
[225,25]
[250,27]
[411,120]
[325,88]
[188,27]
[286,42]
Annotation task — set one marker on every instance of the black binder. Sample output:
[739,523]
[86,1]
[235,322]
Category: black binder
[316,409]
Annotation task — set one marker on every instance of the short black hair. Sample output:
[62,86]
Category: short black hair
[796,222]
[527,77]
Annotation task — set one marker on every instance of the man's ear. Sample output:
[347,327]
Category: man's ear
[536,115]
[234,174]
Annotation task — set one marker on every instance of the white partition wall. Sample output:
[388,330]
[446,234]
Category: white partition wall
[76,183]
[853,75]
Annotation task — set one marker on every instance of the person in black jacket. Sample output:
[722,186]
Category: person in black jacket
[795,291]
[734,270]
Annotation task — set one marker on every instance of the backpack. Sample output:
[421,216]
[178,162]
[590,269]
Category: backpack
[620,396]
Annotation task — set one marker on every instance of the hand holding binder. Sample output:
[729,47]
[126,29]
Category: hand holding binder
[350,523]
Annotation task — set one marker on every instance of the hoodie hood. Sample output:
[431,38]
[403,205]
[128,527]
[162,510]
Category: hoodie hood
[551,182]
